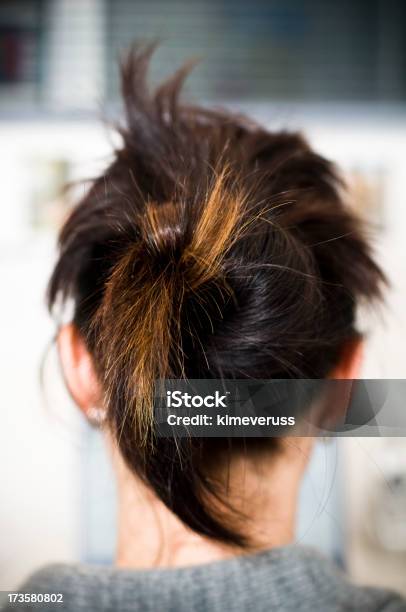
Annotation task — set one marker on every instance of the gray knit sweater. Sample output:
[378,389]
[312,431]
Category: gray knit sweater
[289,579]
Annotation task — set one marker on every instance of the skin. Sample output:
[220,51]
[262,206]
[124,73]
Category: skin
[263,488]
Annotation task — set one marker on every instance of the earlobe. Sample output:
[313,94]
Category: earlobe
[78,369]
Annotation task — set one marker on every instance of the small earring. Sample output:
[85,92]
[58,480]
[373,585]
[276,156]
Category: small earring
[96,416]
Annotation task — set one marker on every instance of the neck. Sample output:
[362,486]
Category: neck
[150,535]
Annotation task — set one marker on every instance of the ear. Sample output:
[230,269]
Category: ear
[78,369]
[349,366]
[338,400]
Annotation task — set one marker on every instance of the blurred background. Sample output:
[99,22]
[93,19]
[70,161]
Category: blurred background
[335,70]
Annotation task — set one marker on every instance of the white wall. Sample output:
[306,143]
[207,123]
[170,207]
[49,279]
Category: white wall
[40,437]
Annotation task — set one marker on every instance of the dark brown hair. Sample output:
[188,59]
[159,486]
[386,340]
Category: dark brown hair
[209,248]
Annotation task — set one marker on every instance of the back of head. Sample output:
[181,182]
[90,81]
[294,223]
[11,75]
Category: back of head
[209,248]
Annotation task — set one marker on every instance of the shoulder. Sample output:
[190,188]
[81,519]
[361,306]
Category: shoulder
[52,575]
[69,587]
[332,585]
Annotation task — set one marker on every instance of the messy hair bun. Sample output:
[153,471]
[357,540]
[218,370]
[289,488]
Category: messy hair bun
[209,248]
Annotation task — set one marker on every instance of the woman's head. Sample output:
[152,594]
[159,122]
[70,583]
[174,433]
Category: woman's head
[209,248]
